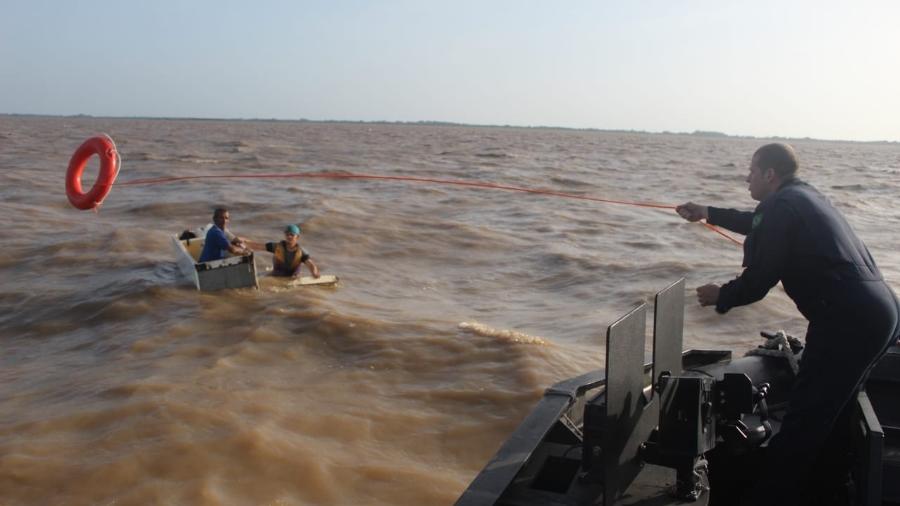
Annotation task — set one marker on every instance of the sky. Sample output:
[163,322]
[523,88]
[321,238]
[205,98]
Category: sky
[822,69]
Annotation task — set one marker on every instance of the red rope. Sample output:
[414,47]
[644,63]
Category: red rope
[472,184]
[723,234]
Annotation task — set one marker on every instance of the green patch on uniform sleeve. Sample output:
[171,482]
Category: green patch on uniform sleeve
[757,219]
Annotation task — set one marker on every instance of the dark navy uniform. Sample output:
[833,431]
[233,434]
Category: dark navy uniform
[797,237]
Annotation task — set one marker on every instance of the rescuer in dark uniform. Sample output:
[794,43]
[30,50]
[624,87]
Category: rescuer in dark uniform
[797,237]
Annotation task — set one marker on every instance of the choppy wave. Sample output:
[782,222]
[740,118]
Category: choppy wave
[850,187]
[140,156]
[506,335]
[494,155]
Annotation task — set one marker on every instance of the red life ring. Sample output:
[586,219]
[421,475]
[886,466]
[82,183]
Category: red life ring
[105,148]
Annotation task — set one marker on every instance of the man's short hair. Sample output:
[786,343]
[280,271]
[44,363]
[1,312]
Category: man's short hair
[219,212]
[780,157]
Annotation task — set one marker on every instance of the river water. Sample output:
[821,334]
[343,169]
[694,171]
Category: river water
[120,384]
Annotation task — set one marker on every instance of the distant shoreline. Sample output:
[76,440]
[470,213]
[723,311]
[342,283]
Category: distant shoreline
[695,133]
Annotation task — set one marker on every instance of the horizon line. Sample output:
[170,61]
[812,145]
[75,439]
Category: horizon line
[695,133]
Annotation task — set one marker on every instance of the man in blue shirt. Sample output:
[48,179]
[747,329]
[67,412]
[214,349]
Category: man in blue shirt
[217,244]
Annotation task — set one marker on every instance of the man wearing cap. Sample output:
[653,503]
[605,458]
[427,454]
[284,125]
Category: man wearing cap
[289,256]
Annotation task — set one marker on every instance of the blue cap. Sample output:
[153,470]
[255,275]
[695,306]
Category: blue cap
[292,229]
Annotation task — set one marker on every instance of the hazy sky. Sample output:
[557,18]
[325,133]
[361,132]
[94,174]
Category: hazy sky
[802,69]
